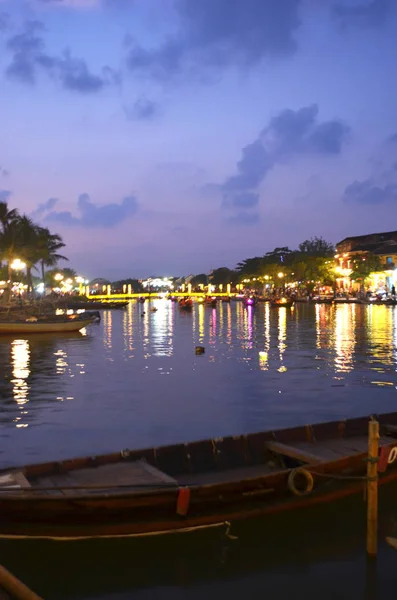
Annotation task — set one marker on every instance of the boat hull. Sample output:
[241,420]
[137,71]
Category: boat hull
[184,501]
[43,327]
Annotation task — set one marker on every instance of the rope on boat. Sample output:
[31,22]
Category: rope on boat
[14,587]
[79,538]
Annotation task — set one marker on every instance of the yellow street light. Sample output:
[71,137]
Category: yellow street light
[267,277]
[280,275]
[58,277]
[18,264]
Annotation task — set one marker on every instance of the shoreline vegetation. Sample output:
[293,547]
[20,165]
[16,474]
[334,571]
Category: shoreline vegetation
[26,247]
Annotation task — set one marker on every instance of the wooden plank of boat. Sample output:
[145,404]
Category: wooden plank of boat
[141,491]
[293,452]
[111,479]
[43,326]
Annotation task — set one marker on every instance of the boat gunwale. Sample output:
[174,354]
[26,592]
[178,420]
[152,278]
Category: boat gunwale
[32,494]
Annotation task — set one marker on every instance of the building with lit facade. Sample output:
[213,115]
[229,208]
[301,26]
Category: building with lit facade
[383,245]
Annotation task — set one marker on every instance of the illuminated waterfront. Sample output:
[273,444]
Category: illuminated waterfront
[135,380]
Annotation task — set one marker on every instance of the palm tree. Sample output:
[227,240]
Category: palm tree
[8,241]
[28,236]
[7,216]
[48,246]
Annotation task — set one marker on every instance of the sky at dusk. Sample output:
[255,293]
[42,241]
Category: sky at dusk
[170,137]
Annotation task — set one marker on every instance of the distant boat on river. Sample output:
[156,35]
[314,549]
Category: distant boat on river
[185,303]
[281,303]
[46,324]
[193,485]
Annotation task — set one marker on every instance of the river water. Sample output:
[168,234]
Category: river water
[134,380]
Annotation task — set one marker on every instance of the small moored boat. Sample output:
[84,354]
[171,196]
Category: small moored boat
[281,303]
[47,324]
[198,484]
[185,303]
[212,302]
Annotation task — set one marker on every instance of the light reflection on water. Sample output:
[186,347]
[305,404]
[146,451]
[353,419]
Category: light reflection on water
[263,368]
[20,358]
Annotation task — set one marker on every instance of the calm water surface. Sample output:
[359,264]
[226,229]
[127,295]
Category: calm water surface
[135,380]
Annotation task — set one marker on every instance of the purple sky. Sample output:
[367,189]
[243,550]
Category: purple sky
[174,136]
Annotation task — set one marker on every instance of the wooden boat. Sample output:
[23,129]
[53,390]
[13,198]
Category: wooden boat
[345,300]
[193,485]
[45,324]
[185,303]
[211,302]
[281,303]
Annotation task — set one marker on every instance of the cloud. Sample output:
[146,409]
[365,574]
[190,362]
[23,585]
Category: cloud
[4,172]
[5,195]
[93,216]
[143,109]
[368,192]
[44,207]
[367,14]
[28,58]
[290,134]
[216,34]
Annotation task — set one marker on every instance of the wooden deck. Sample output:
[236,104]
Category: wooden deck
[326,450]
[126,475]
[227,475]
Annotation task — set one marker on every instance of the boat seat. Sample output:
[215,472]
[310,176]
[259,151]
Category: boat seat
[15,479]
[292,452]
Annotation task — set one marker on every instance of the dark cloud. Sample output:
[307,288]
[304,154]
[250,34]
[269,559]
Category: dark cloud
[28,58]
[289,134]
[368,192]
[220,33]
[142,109]
[44,207]
[367,14]
[5,195]
[93,216]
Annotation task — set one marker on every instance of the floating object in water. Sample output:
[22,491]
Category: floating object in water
[249,301]
[200,349]
[143,314]
[154,309]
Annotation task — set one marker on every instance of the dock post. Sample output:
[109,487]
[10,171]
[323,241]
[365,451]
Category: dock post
[372,488]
